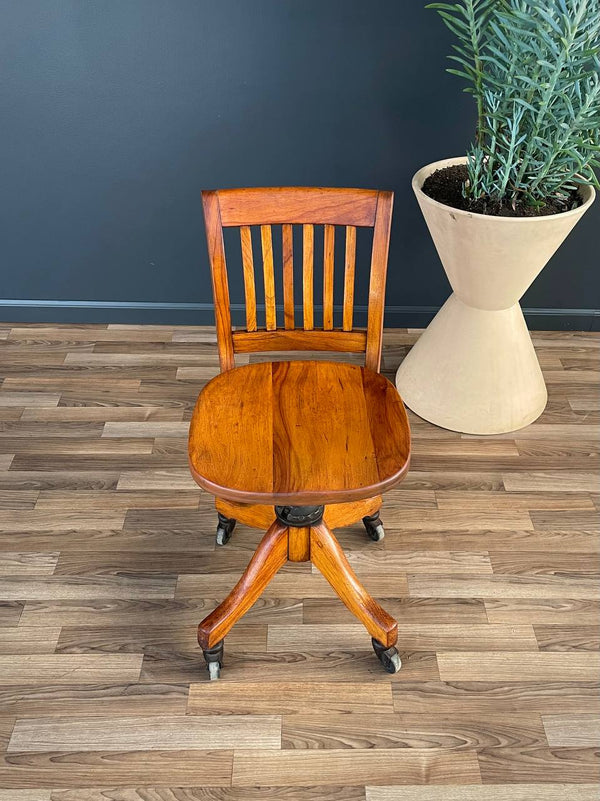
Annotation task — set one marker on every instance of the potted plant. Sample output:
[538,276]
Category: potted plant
[497,215]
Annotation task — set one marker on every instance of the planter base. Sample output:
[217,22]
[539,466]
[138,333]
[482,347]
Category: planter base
[474,371]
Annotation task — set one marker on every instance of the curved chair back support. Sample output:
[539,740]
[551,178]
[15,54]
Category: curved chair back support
[340,212]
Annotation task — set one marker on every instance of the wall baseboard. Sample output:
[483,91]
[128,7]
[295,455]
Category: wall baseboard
[107,311]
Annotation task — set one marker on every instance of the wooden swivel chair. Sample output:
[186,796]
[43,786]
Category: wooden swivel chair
[298,447]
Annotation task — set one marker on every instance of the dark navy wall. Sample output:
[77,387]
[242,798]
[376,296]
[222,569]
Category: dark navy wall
[116,113]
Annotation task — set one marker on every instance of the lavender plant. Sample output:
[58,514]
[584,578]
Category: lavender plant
[533,67]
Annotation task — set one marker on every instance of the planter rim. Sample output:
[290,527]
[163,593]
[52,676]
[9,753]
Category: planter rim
[588,194]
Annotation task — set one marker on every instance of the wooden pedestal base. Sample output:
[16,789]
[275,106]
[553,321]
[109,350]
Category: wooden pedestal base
[315,543]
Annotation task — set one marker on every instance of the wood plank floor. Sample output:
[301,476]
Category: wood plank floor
[108,562]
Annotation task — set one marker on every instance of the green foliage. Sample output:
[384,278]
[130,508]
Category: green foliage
[533,67]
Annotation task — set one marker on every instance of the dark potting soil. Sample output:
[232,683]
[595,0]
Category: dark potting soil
[446,185]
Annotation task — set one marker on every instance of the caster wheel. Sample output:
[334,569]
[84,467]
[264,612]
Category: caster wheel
[214,660]
[223,536]
[214,670]
[374,527]
[224,529]
[389,657]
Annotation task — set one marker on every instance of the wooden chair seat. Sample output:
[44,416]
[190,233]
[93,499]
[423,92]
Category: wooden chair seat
[299,432]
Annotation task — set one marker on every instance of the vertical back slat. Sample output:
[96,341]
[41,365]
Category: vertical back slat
[328,256]
[269,277]
[216,254]
[288,277]
[379,259]
[350,262]
[308,239]
[248,268]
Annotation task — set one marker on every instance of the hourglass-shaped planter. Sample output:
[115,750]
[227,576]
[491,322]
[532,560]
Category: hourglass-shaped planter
[474,368]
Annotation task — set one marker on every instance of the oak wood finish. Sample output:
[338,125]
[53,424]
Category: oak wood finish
[126,597]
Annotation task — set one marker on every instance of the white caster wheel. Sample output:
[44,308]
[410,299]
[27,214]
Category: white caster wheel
[224,529]
[214,670]
[214,660]
[374,527]
[389,657]
[222,536]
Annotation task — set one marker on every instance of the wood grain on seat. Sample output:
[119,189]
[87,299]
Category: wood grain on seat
[299,432]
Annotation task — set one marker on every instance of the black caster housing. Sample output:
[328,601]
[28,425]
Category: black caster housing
[224,529]
[389,657]
[214,660]
[374,527]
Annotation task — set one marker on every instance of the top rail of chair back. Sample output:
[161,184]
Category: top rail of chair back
[298,205]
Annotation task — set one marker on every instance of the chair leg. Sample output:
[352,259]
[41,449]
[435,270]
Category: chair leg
[323,549]
[270,555]
[327,555]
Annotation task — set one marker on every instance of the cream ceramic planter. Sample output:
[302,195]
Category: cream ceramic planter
[474,368]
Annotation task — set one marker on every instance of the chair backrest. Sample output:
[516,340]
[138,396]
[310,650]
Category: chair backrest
[306,207]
